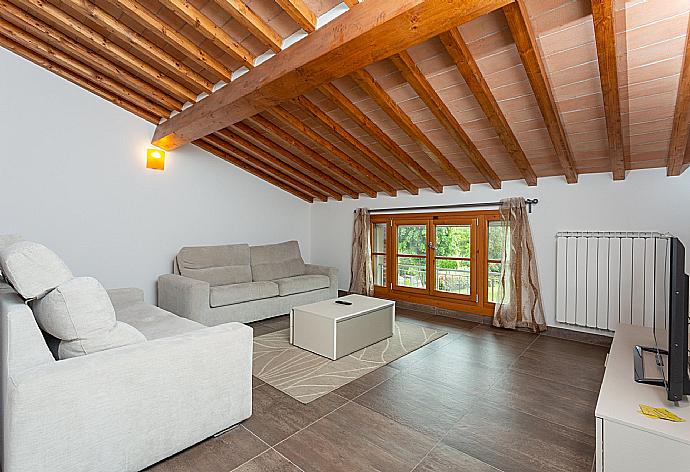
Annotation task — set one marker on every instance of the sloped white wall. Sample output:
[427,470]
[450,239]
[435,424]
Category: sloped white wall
[646,201]
[73,176]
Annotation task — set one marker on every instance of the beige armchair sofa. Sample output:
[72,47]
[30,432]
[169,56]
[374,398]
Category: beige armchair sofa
[218,284]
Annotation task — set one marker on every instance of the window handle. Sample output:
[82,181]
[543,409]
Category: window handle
[431,245]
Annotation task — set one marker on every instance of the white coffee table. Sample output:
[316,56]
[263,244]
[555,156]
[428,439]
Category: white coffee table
[333,330]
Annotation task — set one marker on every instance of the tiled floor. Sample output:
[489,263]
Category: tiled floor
[479,399]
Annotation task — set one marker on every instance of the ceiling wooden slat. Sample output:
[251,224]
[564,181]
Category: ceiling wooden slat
[602,15]
[678,148]
[326,165]
[526,43]
[253,22]
[157,54]
[274,162]
[76,79]
[225,145]
[337,189]
[210,30]
[356,144]
[55,38]
[426,92]
[457,49]
[181,43]
[351,3]
[206,145]
[107,47]
[299,12]
[364,122]
[375,91]
[373,31]
[347,161]
[88,73]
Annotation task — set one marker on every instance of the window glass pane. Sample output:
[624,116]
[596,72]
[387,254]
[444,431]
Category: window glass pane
[380,270]
[412,272]
[453,241]
[496,238]
[379,242]
[494,281]
[453,276]
[412,239]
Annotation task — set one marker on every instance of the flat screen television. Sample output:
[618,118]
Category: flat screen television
[670,331]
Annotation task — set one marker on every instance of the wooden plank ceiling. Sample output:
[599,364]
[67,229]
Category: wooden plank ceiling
[519,90]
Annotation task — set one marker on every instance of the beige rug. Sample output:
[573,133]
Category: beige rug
[306,376]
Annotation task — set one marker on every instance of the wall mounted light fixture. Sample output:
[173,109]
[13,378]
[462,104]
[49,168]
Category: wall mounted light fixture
[155,159]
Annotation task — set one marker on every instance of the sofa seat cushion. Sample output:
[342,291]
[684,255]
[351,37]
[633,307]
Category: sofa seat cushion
[217,265]
[153,322]
[238,293]
[276,261]
[301,284]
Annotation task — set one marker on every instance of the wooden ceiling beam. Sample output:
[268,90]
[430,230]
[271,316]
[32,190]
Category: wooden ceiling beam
[526,42]
[364,122]
[66,74]
[274,162]
[141,44]
[326,165]
[605,36]
[356,144]
[468,68]
[253,22]
[282,114]
[300,13]
[43,9]
[210,30]
[370,32]
[351,3]
[23,38]
[338,189]
[426,92]
[243,155]
[207,145]
[392,109]
[57,39]
[678,150]
[149,20]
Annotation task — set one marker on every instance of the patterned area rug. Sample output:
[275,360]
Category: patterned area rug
[306,376]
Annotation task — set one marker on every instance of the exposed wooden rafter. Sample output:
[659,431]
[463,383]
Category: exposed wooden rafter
[299,12]
[426,92]
[372,31]
[526,43]
[678,151]
[282,114]
[602,15]
[253,22]
[351,3]
[356,144]
[457,49]
[375,91]
[364,122]
[207,145]
[210,30]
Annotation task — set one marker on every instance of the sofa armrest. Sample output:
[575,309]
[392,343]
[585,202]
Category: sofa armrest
[331,272]
[126,408]
[122,297]
[184,296]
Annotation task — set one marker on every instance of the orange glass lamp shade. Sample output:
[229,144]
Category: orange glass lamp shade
[155,159]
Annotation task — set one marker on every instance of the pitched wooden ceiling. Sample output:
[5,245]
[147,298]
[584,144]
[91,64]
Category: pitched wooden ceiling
[519,90]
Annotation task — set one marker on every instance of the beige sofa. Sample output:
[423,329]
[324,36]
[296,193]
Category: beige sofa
[218,284]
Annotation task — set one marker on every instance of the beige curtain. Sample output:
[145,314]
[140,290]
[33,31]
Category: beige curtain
[362,277]
[519,303]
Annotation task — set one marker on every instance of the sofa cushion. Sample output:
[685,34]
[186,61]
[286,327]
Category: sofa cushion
[276,261]
[32,269]
[80,314]
[153,322]
[217,265]
[302,283]
[238,293]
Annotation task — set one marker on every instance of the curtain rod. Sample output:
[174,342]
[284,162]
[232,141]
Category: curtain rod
[529,202]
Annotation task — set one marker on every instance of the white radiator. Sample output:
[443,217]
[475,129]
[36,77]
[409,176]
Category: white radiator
[607,278]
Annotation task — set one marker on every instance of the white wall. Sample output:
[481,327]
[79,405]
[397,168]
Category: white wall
[646,200]
[73,176]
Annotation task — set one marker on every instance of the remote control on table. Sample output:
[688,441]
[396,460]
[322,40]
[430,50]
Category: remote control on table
[343,302]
